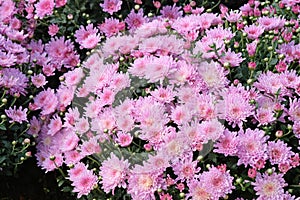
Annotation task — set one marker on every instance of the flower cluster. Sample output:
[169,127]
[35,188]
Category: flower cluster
[191,102]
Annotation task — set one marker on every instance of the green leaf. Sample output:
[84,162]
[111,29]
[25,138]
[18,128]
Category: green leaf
[2,127]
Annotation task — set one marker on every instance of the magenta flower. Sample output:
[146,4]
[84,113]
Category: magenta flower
[269,186]
[111,6]
[17,115]
[114,173]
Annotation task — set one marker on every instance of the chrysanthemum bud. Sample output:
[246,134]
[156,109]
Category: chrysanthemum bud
[269,171]
[52,158]
[4,100]
[279,133]
[29,72]
[14,142]
[3,116]
[136,7]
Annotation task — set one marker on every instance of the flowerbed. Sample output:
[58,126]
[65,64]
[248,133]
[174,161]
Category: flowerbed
[155,101]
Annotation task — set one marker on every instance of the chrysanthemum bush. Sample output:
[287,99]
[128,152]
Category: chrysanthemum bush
[173,101]
[37,45]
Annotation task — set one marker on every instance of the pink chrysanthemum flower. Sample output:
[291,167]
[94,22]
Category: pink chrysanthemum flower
[135,20]
[219,33]
[171,12]
[47,101]
[278,152]
[44,7]
[82,179]
[35,126]
[87,37]
[269,187]
[39,80]
[234,59]
[210,130]
[271,83]
[181,114]
[54,125]
[13,80]
[62,52]
[111,6]
[213,75]
[111,27]
[17,115]
[264,116]
[294,110]
[72,157]
[234,106]
[123,139]
[270,23]
[163,95]
[197,190]
[90,147]
[68,140]
[217,182]
[227,143]
[142,183]
[253,31]
[233,16]
[7,9]
[251,147]
[185,169]
[53,29]
[114,173]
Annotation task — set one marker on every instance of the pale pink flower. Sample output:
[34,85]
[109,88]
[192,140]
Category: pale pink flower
[114,173]
[269,186]
[87,37]
[279,152]
[217,182]
[54,125]
[68,140]
[84,181]
[73,77]
[233,16]
[234,59]
[210,130]
[253,31]
[251,147]
[185,169]
[111,27]
[164,95]
[213,75]
[44,7]
[35,126]
[181,115]
[90,147]
[39,80]
[227,143]
[123,139]
[111,6]
[82,125]
[72,157]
